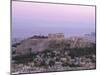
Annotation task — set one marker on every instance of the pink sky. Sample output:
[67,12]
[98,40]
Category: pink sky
[53,10]
[75,15]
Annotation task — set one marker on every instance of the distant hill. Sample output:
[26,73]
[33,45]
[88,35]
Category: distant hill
[91,36]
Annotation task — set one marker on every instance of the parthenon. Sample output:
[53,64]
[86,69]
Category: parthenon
[57,36]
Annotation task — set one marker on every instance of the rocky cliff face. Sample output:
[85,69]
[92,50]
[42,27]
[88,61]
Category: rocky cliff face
[31,45]
[36,45]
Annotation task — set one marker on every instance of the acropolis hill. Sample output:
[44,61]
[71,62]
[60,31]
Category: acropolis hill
[56,36]
[53,53]
[52,41]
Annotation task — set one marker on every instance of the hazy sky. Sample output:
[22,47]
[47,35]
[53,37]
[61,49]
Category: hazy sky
[40,18]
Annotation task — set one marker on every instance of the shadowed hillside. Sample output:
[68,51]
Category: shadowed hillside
[42,55]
